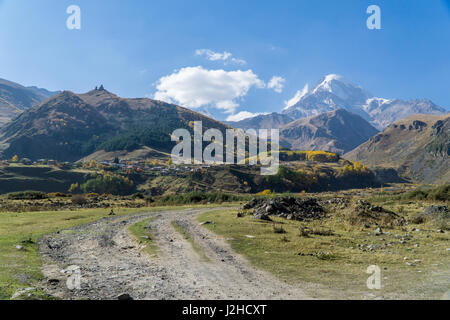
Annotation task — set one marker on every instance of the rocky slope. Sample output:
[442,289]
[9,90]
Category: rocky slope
[418,147]
[337,131]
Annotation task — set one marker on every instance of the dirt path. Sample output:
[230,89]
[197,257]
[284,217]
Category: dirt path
[112,263]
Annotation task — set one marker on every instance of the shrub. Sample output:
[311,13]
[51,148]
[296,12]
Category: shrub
[74,188]
[315,156]
[27,195]
[79,199]
[92,195]
[138,195]
[201,197]
[278,229]
[441,193]
[303,232]
[108,184]
[57,195]
[264,193]
[321,156]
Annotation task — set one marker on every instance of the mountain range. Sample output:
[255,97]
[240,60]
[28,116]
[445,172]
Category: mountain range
[15,98]
[335,116]
[333,92]
[70,126]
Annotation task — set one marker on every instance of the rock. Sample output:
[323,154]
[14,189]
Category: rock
[124,297]
[28,241]
[286,207]
[20,292]
[53,282]
[19,247]
[262,216]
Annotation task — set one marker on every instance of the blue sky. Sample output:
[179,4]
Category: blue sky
[148,48]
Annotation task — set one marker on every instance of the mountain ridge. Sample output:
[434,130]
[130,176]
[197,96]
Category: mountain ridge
[337,131]
[418,147]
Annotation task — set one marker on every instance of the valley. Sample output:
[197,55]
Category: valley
[87,183]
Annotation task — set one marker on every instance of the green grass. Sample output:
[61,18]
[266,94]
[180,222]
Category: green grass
[329,255]
[145,236]
[186,235]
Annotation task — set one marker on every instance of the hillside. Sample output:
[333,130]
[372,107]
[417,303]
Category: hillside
[337,131]
[14,98]
[264,121]
[418,147]
[333,92]
[70,126]
[42,178]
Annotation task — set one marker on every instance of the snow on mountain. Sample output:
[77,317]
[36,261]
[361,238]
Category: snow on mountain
[333,92]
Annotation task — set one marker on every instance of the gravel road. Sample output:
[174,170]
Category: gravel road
[112,263]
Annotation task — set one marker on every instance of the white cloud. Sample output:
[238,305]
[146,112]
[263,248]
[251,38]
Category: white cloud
[276,83]
[238,61]
[197,87]
[298,95]
[243,115]
[217,56]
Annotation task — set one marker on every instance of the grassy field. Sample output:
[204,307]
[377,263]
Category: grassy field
[335,254]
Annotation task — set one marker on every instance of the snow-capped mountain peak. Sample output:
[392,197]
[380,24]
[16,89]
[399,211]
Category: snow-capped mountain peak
[337,85]
[334,92]
[327,83]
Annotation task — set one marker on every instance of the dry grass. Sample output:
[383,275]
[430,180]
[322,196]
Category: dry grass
[335,254]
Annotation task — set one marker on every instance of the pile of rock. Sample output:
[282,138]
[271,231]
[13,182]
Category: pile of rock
[369,214]
[287,207]
[336,203]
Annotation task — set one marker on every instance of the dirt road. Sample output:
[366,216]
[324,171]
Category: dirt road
[112,263]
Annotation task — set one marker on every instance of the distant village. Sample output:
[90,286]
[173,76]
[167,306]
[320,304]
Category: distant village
[124,165]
